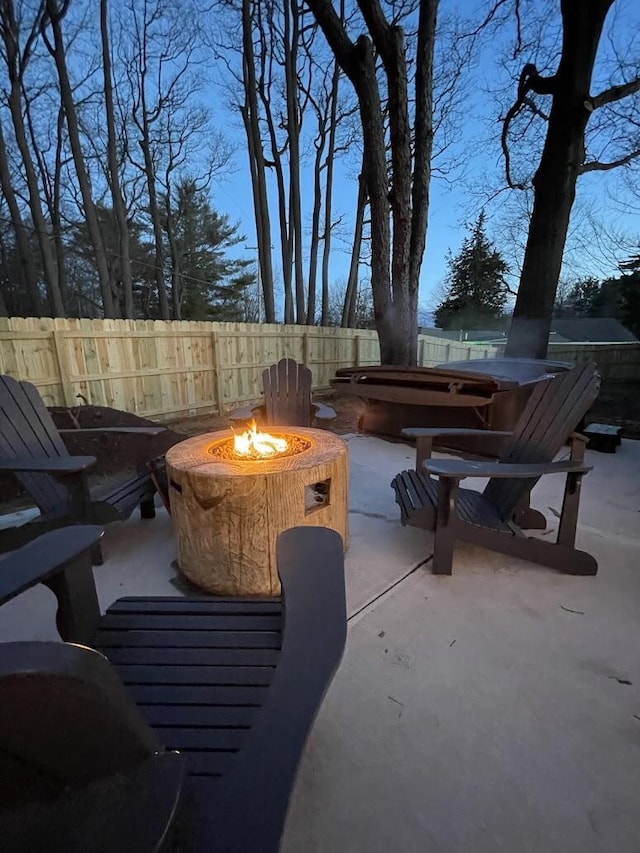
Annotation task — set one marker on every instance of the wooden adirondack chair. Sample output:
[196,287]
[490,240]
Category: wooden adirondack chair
[287,399]
[234,685]
[430,496]
[32,449]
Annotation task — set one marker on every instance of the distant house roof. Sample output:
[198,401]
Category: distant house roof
[593,330]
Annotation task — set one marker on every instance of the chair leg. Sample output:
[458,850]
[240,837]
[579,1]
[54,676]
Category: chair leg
[570,506]
[444,540]
[147,508]
[443,551]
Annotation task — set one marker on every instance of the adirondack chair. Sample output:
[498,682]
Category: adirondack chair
[287,399]
[430,496]
[32,449]
[87,759]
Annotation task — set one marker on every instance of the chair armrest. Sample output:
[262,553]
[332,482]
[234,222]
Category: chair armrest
[152,431]
[244,413]
[321,412]
[44,557]
[459,469]
[433,432]
[49,464]
[311,569]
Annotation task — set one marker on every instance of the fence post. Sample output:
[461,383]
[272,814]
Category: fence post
[59,347]
[217,364]
[421,358]
[356,351]
[305,348]
[447,352]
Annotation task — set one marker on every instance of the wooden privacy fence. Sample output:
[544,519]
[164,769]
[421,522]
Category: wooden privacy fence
[617,362]
[161,369]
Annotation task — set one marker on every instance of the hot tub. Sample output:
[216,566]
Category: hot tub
[480,394]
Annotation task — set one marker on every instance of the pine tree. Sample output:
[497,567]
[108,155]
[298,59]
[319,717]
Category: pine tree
[477,293]
[212,285]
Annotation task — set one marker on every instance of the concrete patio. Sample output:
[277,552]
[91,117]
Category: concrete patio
[494,710]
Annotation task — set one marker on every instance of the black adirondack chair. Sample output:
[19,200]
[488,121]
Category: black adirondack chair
[32,449]
[87,759]
[287,399]
[430,496]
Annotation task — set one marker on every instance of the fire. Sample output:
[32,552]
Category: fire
[257,444]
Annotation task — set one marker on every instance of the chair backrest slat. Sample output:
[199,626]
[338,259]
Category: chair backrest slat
[287,394]
[27,431]
[553,411]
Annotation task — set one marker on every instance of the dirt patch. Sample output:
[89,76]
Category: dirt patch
[114,452]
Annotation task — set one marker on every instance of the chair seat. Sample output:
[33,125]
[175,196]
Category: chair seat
[417,493]
[199,669]
[124,496]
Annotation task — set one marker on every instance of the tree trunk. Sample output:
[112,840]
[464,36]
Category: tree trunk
[56,208]
[257,165]
[394,289]
[315,225]
[394,346]
[351,293]
[176,289]
[285,243]
[291,35]
[51,190]
[119,208]
[28,270]
[555,180]
[58,52]
[154,213]
[39,223]
[328,193]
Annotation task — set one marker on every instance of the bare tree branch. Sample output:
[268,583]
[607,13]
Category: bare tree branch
[615,93]
[595,166]
[530,81]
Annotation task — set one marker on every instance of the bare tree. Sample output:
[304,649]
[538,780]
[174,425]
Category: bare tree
[394,270]
[565,156]
[291,37]
[351,291]
[53,18]
[17,56]
[251,118]
[113,170]
[27,266]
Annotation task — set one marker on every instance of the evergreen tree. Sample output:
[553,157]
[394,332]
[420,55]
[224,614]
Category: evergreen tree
[620,298]
[212,286]
[477,293]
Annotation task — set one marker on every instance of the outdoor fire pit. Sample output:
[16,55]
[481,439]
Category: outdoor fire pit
[231,495]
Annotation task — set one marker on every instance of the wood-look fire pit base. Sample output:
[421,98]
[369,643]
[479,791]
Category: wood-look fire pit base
[228,512]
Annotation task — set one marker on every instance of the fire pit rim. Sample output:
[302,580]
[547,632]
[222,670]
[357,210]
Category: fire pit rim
[320,440]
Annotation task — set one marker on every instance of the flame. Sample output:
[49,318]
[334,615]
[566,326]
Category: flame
[256,444]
